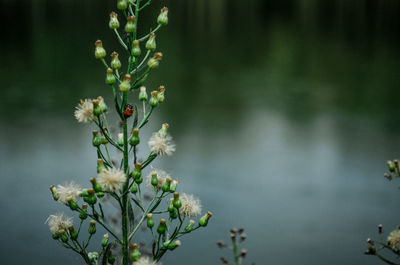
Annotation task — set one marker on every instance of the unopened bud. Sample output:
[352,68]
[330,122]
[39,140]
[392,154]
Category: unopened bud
[160,94]
[177,202]
[136,48]
[172,187]
[73,234]
[134,188]
[72,204]
[110,78]
[125,84]
[153,99]
[243,253]
[390,166]
[135,254]
[163,16]
[143,94]
[130,25]
[224,260]
[122,4]
[115,62]
[220,244]
[114,23]
[380,229]
[189,226]
[151,42]
[150,221]
[100,165]
[203,221]
[92,227]
[134,140]
[120,140]
[99,52]
[104,241]
[155,61]
[161,227]
[96,139]
[54,192]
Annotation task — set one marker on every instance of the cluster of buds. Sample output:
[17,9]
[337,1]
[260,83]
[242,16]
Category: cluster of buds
[237,237]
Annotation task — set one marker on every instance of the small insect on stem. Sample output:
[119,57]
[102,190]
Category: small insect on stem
[128,111]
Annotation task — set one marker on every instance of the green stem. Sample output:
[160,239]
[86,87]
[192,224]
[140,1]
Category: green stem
[235,252]
[146,118]
[125,241]
[137,68]
[120,40]
[147,3]
[385,259]
[151,32]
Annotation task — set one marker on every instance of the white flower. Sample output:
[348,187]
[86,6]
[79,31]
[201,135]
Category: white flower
[68,190]
[84,111]
[191,206]
[394,239]
[145,261]
[58,222]
[161,145]
[161,177]
[111,179]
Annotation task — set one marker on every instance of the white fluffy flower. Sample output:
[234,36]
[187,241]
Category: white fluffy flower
[161,177]
[394,239]
[111,179]
[84,111]
[161,145]
[58,222]
[68,190]
[145,261]
[191,206]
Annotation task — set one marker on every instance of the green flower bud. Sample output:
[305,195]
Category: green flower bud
[134,139]
[100,194]
[166,185]
[391,166]
[203,221]
[135,254]
[104,241]
[110,78]
[189,226]
[92,227]
[174,245]
[160,94]
[96,139]
[121,139]
[54,192]
[91,198]
[122,4]
[139,180]
[151,42]
[177,202]
[130,25]
[63,236]
[134,188]
[172,187]
[100,165]
[72,232]
[83,213]
[125,84]
[153,100]
[143,94]
[163,16]
[136,48]
[154,180]
[114,23]
[162,227]
[104,140]
[99,52]
[102,104]
[171,207]
[96,107]
[137,172]
[96,186]
[150,221]
[164,130]
[72,204]
[115,62]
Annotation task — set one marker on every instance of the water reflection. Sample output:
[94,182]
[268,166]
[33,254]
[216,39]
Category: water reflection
[281,127]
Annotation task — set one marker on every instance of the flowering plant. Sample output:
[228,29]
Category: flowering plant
[392,243]
[122,183]
[237,237]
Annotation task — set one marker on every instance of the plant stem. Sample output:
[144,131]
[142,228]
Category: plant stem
[125,198]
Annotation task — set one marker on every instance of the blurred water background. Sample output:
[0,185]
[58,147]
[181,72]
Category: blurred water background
[283,113]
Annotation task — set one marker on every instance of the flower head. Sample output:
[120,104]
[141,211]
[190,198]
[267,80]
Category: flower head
[394,239]
[111,179]
[191,206]
[68,190]
[58,222]
[84,111]
[161,142]
[161,177]
[145,261]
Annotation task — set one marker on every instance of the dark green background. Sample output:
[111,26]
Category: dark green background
[283,112]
